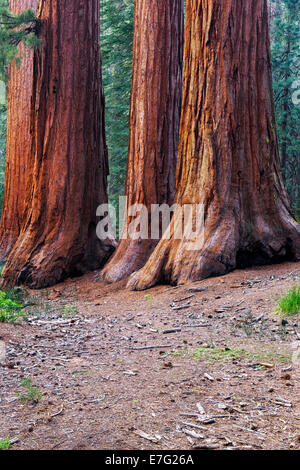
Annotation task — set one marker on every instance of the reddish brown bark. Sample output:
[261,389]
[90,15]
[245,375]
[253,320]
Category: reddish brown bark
[154,122]
[68,160]
[17,142]
[228,152]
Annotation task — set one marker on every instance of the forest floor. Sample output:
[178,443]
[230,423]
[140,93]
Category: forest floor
[227,377]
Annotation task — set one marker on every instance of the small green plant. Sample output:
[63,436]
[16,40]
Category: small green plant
[70,310]
[16,293]
[10,310]
[32,393]
[149,299]
[4,444]
[289,303]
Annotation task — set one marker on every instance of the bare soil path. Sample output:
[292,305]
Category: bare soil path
[223,371]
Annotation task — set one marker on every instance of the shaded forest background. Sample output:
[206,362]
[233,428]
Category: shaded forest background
[116,46]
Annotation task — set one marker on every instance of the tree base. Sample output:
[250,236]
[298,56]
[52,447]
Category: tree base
[172,262]
[130,256]
[45,268]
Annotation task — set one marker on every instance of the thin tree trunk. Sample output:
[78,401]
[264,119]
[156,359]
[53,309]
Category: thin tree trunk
[68,161]
[17,141]
[228,151]
[297,192]
[154,122]
[285,110]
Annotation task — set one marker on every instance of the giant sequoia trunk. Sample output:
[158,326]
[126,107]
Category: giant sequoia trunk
[228,153]
[154,122]
[17,142]
[68,160]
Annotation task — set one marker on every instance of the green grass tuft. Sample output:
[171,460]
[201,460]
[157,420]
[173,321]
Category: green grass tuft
[217,354]
[289,303]
[213,353]
[210,354]
[4,444]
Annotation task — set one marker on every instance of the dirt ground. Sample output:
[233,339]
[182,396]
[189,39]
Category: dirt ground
[205,365]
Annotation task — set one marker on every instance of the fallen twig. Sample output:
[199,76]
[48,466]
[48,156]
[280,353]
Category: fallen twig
[151,347]
[58,413]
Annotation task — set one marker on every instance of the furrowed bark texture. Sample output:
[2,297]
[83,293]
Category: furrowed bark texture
[68,161]
[17,141]
[154,122]
[228,154]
